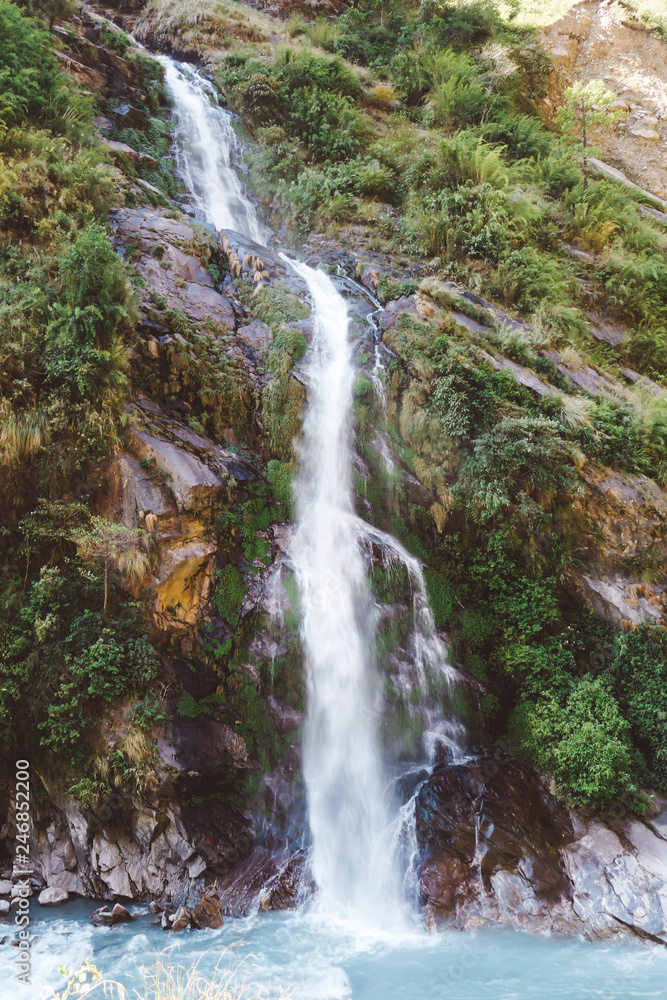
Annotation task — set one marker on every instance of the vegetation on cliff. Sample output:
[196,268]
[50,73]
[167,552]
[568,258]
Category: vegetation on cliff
[411,130]
[408,131]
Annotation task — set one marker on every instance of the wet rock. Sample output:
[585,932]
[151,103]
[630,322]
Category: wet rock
[286,718]
[104,917]
[101,917]
[208,912]
[120,915]
[4,907]
[290,886]
[370,277]
[181,919]
[484,859]
[52,896]
[498,850]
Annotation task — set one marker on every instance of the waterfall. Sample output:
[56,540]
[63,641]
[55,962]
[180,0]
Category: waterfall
[355,842]
[352,858]
[208,152]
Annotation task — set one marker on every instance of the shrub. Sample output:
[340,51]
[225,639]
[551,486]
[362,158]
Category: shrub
[521,461]
[458,98]
[585,745]
[459,24]
[60,661]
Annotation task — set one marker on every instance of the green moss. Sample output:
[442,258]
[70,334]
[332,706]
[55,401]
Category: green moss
[230,590]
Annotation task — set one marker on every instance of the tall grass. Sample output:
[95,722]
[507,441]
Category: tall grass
[164,981]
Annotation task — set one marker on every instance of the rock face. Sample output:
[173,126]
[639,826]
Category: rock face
[169,485]
[624,530]
[595,41]
[498,850]
[171,270]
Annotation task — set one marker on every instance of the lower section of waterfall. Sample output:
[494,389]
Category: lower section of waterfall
[353,863]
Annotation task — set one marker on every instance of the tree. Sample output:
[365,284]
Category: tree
[112,543]
[587,106]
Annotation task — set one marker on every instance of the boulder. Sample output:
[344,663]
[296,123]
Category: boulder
[4,907]
[52,896]
[208,912]
[181,919]
[101,917]
[6,887]
[490,837]
[121,915]
[104,917]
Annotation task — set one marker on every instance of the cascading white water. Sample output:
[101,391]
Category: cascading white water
[208,152]
[354,840]
[352,858]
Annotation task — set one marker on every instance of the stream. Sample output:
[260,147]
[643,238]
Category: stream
[361,937]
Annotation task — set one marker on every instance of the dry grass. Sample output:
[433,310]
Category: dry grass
[165,981]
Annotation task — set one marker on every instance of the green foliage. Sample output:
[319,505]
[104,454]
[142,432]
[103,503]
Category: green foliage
[615,437]
[310,97]
[522,463]
[32,89]
[440,598]
[230,589]
[61,663]
[279,477]
[587,106]
[459,24]
[146,714]
[585,744]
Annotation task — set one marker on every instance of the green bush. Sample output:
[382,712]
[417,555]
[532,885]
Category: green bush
[280,481]
[60,662]
[521,462]
[32,89]
[461,25]
[585,745]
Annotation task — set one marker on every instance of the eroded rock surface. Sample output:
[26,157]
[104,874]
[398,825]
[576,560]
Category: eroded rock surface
[498,850]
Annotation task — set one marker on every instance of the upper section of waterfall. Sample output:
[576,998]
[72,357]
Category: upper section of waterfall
[209,153]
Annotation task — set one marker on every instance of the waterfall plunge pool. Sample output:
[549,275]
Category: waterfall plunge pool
[306,957]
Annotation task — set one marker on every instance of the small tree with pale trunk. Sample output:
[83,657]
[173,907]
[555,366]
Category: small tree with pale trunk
[587,106]
[112,544]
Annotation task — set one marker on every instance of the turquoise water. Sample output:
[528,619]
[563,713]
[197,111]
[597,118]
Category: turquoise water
[315,960]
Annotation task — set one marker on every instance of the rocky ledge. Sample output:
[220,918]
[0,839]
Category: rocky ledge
[498,850]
